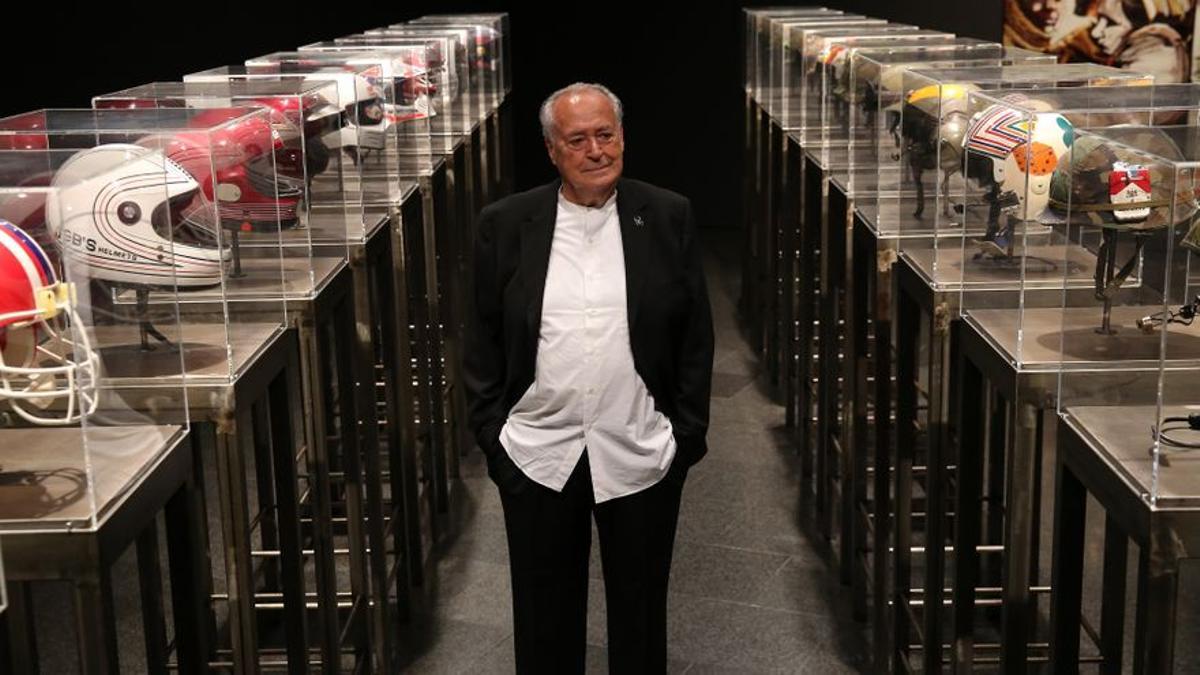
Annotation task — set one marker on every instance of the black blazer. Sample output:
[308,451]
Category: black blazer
[670,322]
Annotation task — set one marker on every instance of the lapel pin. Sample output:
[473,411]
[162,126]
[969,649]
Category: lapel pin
[637,220]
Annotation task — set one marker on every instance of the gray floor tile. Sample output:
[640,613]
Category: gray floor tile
[721,573]
[449,646]
[474,590]
[805,586]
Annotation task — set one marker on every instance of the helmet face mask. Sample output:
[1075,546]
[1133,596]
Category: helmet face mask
[46,379]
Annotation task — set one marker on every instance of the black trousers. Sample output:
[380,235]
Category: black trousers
[549,545]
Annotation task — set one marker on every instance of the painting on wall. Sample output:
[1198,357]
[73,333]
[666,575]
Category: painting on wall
[1149,36]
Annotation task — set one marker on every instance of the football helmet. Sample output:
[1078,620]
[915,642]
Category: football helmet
[236,168]
[136,218]
[46,378]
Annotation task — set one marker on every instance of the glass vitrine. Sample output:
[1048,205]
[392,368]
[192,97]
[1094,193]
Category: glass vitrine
[873,75]
[91,390]
[484,53]
[926,199]
[1059,260]
[392,111]
[802,86]
[307,121]
[1130,347]
[468,106]
[215,233]
[448,117]
[758,39]
[772,98]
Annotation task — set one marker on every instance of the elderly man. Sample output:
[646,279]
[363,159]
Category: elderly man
[588,370]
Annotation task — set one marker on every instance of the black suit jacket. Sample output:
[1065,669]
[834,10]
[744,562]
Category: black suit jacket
[670,322]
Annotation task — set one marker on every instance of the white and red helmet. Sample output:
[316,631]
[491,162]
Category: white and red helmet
[136,218]
[46,378]
[236,168]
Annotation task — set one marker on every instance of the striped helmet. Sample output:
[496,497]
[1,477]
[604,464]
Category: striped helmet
[1018,151]
[135,218]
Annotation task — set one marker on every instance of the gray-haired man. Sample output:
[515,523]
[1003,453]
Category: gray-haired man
[588,372]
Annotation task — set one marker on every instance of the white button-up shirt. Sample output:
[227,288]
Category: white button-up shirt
[586,392]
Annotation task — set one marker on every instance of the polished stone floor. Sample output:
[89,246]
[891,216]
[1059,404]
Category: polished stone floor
[751,589]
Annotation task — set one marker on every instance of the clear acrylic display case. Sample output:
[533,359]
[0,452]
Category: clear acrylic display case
[802,86]
[483,52]
[828,129]
[878,75]
[468,106]
[924,198]
[869,94]
[498,54]
[214,232]
[758,40]
[366,184]
[448,115]
[1130,347]
[782,53]
[306,117]
[395,79]
[849,87]
[1020,294]
[91,391]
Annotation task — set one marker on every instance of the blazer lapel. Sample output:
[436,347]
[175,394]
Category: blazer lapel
[536,238]
[635,241]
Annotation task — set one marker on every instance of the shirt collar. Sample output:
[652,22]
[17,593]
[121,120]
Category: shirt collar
[578,209]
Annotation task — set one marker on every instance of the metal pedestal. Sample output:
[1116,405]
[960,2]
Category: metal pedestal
[437,197]
[1009,456]
[750,179]
[1102,452]
[922,385]
[258,418]
[834,446]
[790,216]
[331,361]
[85,558]
[871,289]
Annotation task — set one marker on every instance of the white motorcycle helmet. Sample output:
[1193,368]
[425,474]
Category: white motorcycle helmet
[136,218]
[1022,150]
[46,379]
[363,117]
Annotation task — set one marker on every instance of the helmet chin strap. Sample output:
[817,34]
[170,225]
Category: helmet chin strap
[1108,278]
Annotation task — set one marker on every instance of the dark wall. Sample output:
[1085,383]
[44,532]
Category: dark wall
[677,70]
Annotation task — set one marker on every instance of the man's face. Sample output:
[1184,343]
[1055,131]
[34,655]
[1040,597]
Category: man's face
[588,144]
[1111,27]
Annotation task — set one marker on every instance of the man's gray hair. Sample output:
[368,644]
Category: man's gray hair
[546,114]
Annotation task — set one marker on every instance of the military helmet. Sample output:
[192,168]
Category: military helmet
[1104,181]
